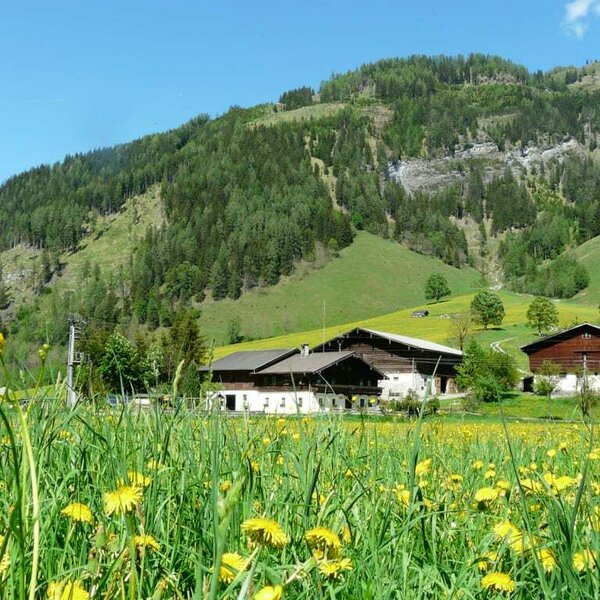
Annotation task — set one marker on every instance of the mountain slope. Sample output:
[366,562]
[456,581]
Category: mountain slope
[373,276]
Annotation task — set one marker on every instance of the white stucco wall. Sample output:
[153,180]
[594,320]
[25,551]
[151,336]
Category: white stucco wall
[286,403]
[397,385]
[570,383]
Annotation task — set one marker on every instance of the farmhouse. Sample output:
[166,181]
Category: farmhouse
[576,353]
[408,364]
[288,381]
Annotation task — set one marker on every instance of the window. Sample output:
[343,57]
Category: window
[333,402]
[299,400]
[586,336]
[282,405]
[320,401]
[396,378]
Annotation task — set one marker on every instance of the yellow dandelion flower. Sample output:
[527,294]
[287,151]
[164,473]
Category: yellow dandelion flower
[486,560]
[531,487]
[5,559]
[499,582]
[333,569]
[423,467]
[265,532]
[225,486]
[323,541]
[269,592]
[67,590]
[584,560]
[489,474]
[477,465]
[551,453]
[124,499]
[146,541]
[505,529]
[78,512]
[232,563]
[485,496]
[503,484]
[139,479]
[547,559]
[403,497]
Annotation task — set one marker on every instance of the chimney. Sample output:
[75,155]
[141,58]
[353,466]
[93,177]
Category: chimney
[304,350]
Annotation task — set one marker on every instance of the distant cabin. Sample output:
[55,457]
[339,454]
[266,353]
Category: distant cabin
[576,352]
[420,313]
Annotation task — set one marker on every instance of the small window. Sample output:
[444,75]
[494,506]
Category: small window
[266,402]
[333,402]
[282,405]
[587,336]
[299,400]
[396,378]
[320,401]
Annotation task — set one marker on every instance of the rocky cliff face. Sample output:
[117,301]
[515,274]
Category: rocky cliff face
[431,174]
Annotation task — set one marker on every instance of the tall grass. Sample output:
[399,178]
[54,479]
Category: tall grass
[210,473]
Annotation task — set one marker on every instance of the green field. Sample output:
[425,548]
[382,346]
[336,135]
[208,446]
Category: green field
[371,277]
[589,255]
[178,505]
[438,326]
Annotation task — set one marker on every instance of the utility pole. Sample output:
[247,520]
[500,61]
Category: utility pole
[71,361]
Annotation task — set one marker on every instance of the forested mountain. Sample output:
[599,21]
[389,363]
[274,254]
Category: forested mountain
[248,195]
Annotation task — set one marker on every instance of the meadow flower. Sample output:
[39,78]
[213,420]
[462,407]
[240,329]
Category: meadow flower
[67,590]
[146,541]
[505,530]
[138,479]
[547,559]
[124,499]
[584,560]
[499,582]
[333,569]
[5,560]
[265,532]
[531,487]
[485,496]
[323,542]
[2,343]
[269,592]
[423,467]
[486,560]
[232,563]
[78,512]
[477,465]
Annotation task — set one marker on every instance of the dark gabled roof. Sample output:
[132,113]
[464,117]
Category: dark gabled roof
[313,363]
[558,336]
[251,360]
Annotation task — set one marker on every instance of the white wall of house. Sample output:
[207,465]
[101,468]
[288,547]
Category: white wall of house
[397,385]
[570,383]
[283,403]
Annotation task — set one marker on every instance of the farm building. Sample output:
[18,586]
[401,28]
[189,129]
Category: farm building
[289,381]
[576,353]
[408,364]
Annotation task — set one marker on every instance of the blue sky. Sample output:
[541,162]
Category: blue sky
[76,75]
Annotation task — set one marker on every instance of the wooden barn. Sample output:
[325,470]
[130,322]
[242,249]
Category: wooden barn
[408,363]
[575,351]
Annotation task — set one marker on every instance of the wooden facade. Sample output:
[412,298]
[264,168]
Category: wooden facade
[351,376]
[574,350]
[396,354]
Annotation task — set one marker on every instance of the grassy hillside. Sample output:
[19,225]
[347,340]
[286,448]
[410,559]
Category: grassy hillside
[589,255]
[371,277]
[437,327]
